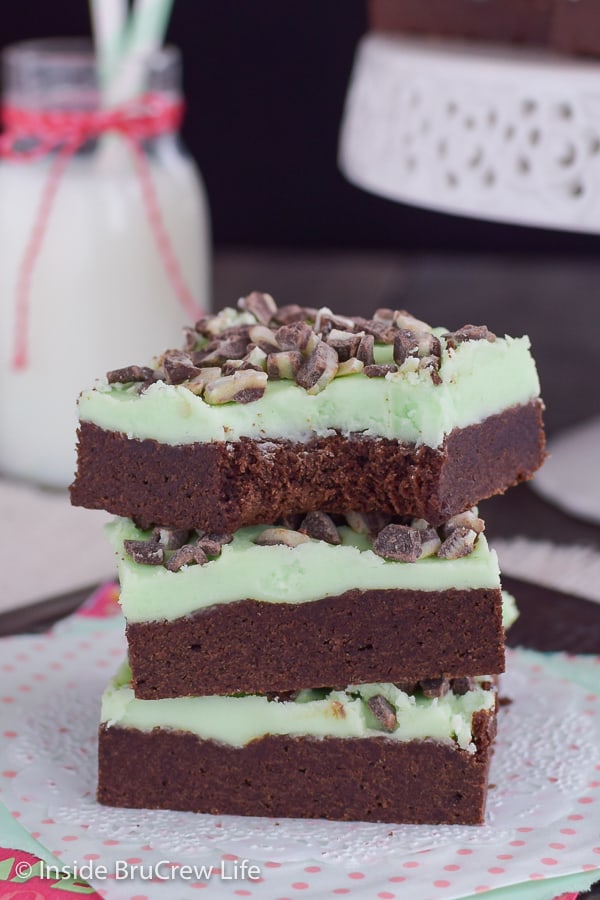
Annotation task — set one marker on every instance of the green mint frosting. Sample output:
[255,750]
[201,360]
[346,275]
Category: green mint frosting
[344,714]
[479,379]
[280,574]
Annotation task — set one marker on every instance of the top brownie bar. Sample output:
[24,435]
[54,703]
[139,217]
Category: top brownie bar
[270,411]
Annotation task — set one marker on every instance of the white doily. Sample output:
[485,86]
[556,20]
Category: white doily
[57,768]
[543,773]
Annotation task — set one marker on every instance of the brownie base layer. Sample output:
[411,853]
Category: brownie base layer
[357,779]
[224,486]
[358,637]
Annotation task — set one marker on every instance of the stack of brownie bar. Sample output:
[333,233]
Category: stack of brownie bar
[314,617]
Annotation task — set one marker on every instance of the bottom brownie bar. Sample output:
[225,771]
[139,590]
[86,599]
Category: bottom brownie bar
[370,753]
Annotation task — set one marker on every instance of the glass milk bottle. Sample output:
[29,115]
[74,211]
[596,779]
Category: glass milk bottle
[104,243]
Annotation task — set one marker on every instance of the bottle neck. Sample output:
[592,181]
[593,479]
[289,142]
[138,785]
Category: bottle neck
[61,74]
[52,100]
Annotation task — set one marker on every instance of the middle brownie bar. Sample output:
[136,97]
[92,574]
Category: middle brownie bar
[272,609]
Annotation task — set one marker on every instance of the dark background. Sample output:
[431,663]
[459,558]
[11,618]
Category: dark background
[265,82]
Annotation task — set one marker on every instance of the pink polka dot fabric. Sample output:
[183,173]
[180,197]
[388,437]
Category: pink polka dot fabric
[545,825]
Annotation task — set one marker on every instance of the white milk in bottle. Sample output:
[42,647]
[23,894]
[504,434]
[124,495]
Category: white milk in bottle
[101,294]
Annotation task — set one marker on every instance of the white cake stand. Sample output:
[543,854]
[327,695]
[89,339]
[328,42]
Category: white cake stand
[507,134]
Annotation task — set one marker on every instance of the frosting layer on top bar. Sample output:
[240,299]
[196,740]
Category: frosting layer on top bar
[282,574]
[479,379]
[237,720]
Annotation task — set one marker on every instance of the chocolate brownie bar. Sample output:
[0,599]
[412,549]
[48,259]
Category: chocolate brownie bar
[279,609]
[285,757]
[523,21]
[576,27]
[570,26]
[380,414]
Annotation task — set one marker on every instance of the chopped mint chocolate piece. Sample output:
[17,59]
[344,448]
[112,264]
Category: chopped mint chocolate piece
[156,376]
[185,555]
[255,359]
[285,364]
[264,338]
[208,326]
[170,538]
[366,523]
[222,350]
[181,557]
[249,394]
[430,542]
[384,313]
[320,526]
[292,521]
[273,536]
[352,366]
[262,306]
[379,371]
[381,330]
[344,343]
[129,375]
[190,339]
[326,320]
[319,369]
[462,685]
[217,538]
[384,712]
[408,687]
[147,553]
[432,365]
[296,336]
[365,349]
[404,320]
[232,365]
[406,343]
[244,386]
[209,546]
[398,542]
[468,519]
[290,313]
[460,542]
[236,331]
[419,524]
[428,345]
[199,553]
[178,366]
[197,384]
[434,687]
[468,333]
